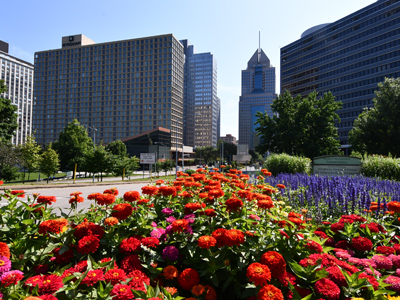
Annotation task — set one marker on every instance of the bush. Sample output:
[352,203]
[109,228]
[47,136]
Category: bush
[285,163]
[381,166]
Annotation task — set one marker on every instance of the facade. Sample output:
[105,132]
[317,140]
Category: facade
[348,57]
[258,92]
[18,77]
[121,88]
[201,104]
[229,138]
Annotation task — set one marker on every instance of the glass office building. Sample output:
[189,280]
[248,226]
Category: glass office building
[258,92]
[121,88]
[348,57]
[18,77]
[201,103]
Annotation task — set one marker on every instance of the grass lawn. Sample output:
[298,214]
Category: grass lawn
[35,175]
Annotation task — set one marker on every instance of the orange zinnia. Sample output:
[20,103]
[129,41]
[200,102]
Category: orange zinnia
[170,272]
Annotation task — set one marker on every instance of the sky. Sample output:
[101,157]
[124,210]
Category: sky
[227,29]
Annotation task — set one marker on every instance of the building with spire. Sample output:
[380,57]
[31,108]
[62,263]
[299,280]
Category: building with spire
[258,92]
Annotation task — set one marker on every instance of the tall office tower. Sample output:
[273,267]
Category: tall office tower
[201,103]
[348,57]
[258,92]
[121,88]
[18,77]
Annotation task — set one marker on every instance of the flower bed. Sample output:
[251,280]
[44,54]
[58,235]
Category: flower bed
[205,236]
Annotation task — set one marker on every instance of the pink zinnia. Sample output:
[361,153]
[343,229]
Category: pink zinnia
[5,264]
[11,277]
[382,262]
[394,281]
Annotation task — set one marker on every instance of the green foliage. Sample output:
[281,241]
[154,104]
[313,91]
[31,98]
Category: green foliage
[8,116]
[167,165]
[130,164]
[285,163]
[30,155]
[207,154]
[72,146]
[117,148]
[377,130]
[49,162]
[381,166]
[300,126]
[10,158]
[98,160]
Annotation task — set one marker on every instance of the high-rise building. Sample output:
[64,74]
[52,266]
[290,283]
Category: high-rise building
[201,103]
[258,92]
[348,57]
[121,88]
[18,77]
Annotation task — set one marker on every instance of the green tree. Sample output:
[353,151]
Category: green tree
[8,116]
[72,146]
[117,148]
[207,154]
[130,164]
[377,130]
[98,160]
[300,126]
[10,159]
[229,150]
[30,155]
[167,165]
[49,162]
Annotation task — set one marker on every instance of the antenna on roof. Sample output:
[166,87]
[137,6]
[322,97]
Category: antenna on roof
[259,47]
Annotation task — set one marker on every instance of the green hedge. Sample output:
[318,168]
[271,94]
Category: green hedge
[381,166]
[284,163]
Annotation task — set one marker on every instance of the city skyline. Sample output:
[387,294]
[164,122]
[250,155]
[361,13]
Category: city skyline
[232,35]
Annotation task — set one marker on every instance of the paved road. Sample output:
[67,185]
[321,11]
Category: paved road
[62,192]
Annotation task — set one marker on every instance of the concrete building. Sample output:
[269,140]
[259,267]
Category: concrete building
[229,138]
[18,76]
[258,92]
[202,106]
[348,57]
[121,88]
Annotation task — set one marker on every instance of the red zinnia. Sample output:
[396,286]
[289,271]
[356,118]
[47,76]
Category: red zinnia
[206,242]
[361,243]
[219,236]
[180,225]
[233,204]
[122,211]
[270,292]
[47,284]
[131,196]
[188,279]
[4,250]
[112,191]
[92,277]
[115,276]
[53,226]
[88,228]
[48,200]
[131,262]
[149,190]
[105,199]
[121,292]
[20,194]
[129,245]
[88,244]
[233,237]
[275,262]
[327,289]
[150,242]
[258,273]
[167,190]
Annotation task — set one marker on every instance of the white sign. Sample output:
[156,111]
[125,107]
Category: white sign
[147,158]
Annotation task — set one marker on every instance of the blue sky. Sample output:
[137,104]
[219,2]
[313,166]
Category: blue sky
[227,29]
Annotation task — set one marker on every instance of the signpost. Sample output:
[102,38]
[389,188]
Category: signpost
[336,165]
[147,159]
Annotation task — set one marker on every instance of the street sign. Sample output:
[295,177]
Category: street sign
[147,158]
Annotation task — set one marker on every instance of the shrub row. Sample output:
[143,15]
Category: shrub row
[379,166]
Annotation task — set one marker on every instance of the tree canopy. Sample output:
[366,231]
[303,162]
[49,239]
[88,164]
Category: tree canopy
[117,148]
[72,145]
[8,116]
[377,130]
[30,155]
[300,126]
[49,162]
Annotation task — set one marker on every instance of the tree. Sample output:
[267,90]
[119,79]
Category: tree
[229,150]
[130,164]
[72,146]
[377,130]
[98,160]
[30,155]
[207,153]
[49,162]
[167,165]
[117,148]
[8,116]
[300,126]
[10,159]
